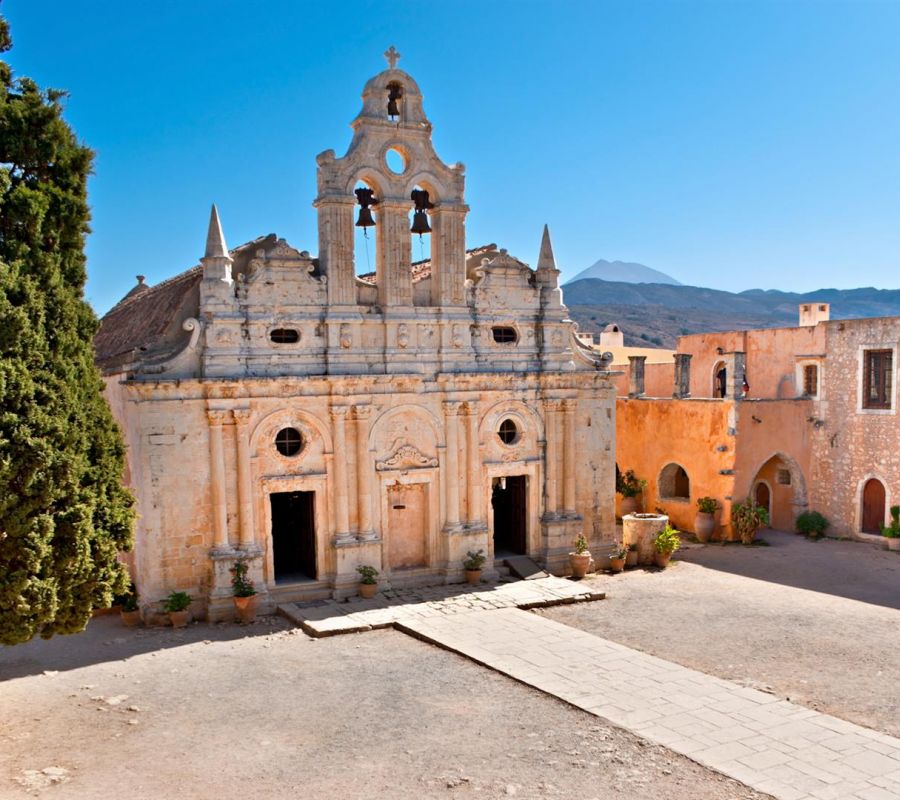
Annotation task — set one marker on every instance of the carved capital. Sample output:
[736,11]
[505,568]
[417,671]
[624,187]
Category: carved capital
[553,405]
[241,415]
[451,407]
[339,413]
[362,412]
[218,417]
[568,406]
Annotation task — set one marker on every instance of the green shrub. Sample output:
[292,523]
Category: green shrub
[368,575]
[747,518]
[474,560]
[812,524]
[667,541]
[707,505]
[581,545]
[240,585]
[892,531]
[177,601]
[628,485]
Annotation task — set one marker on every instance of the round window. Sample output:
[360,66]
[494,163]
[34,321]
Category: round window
[395,160]
[508,432]
[288,441]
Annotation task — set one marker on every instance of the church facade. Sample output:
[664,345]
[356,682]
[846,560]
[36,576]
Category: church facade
[285,410]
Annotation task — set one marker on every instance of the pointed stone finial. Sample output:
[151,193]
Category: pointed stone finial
[392,57]
[546,259]
[215,239]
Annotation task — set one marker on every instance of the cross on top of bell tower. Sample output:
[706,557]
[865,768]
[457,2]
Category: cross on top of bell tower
[392,57]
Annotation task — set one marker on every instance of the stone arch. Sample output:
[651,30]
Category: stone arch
[858,520]
[309,424]
[784,516]
[530,421]
[374,178]
[405,410]
[673,483]
[715,383]
[428,181]
[754,493]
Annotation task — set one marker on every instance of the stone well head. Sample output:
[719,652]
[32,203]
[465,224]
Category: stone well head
[641,529]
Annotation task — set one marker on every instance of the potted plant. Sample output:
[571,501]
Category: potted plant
[666,543]
[629,486]
[747,518]
[705,521]
[176,605]
[368,580]
[812,524]
[892,532]
[130,611]
[580,557]
[473,564]
[631,557]
[244,593]
[617,558]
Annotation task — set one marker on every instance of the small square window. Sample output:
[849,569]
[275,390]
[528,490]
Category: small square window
[811,380]
[783,477]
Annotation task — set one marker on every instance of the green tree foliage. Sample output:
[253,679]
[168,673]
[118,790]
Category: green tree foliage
[64,514]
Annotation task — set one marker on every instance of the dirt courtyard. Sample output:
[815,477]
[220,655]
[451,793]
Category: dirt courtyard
[221,711]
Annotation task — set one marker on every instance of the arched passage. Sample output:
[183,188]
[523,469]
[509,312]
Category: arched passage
[873,506]
[674,483]
[719,379]
[781,483]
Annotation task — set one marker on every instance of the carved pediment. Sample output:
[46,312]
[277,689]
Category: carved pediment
[406,457]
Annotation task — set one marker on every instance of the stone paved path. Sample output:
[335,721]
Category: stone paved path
[776,747]
[328,617]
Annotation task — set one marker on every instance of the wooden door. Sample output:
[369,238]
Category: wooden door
[407,525]
[873,506]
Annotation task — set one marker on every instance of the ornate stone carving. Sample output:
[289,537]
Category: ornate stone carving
[346,337]
[402,336]
[218,416]
[241,415]
[406,457]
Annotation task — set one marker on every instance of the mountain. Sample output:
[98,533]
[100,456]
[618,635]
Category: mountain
[658,313]
[624,272]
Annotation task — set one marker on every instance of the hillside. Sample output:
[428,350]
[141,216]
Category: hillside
[659,313]
[624,272]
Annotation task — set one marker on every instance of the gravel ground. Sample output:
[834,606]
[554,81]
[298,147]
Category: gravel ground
[814,622]
[222,712]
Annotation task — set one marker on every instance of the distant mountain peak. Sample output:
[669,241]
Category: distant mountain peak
[624,272]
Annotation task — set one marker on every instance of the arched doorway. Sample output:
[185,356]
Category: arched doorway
[780,488]
[763,496]
[719,379]
[873,502]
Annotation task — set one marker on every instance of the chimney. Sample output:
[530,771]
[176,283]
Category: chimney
[812,314]
[682,387]
[636,376]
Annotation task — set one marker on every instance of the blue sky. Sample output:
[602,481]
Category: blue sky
[733,145]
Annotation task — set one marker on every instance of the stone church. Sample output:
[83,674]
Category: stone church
[293,411]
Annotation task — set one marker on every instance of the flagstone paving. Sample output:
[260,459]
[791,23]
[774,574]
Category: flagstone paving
[777,747]
[329,617]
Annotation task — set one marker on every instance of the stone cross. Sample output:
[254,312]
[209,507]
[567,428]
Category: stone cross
[392,56]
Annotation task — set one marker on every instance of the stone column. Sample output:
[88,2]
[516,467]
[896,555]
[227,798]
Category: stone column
[336,248]
[551,458]
[735,368]
[341,505]
[448,254]
[245,484]
[636,376]
[474,468]
[394,273]
[682,388]
[451,467]
[217,479]
[569,455]
[364,472]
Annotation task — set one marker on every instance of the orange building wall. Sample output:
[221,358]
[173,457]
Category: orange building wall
[771,356]
[659,380]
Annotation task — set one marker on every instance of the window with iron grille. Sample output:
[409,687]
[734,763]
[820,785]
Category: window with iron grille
[811,380]
[504,335]
[877,377]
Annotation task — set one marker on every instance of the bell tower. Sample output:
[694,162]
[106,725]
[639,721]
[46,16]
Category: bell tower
[393,121]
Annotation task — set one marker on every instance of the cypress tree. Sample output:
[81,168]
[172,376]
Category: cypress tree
[64,513]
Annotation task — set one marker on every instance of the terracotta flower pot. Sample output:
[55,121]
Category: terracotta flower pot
[629,505]
[662,559]
[747,538]
[179,619]
[704,526]
[617,564]
[893,544]
[580,563]
[246,608]
[631,560]
[473,576]
[368,590]
[131,618]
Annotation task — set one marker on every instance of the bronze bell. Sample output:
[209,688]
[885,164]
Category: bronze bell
[394,94]
[420,223]
[420,218]
[365,218]
[365,198]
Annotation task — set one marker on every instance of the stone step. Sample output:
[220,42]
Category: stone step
[523,567]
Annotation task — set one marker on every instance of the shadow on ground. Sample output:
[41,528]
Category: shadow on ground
[854,570]
[107,639]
